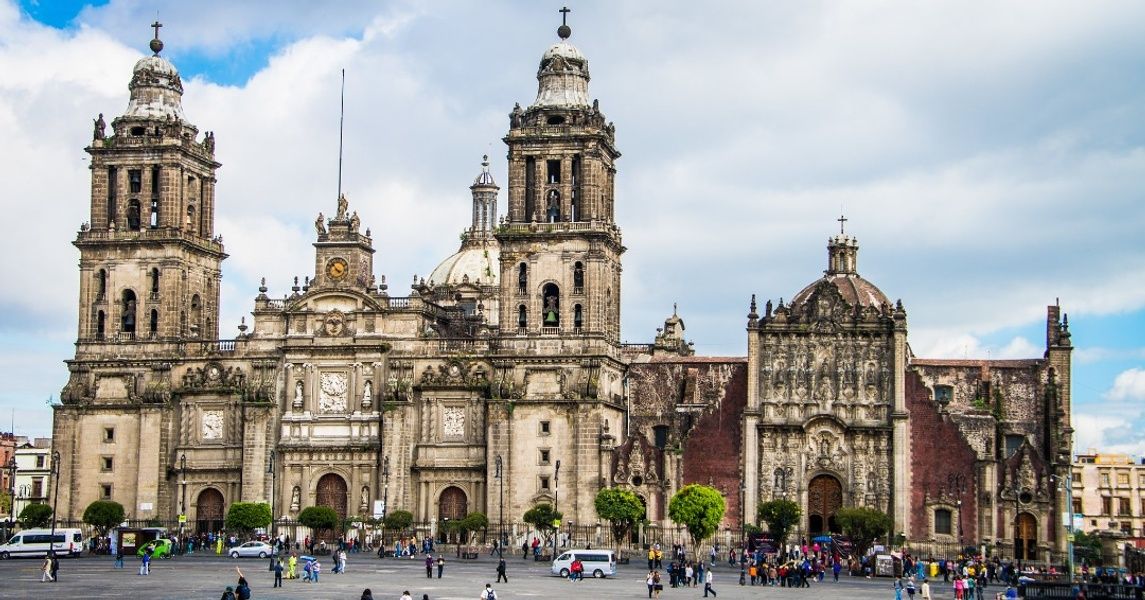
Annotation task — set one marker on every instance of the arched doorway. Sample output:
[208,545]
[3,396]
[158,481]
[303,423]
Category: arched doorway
[1026,537]
[824,498]
[209,511]
[331,492]
[451,505]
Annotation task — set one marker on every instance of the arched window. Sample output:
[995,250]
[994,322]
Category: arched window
[551,301]
[522,316]
[100,284]
[196,315]
[100,324]
[133,214]
[155,283]
[522,278]
[128,310]
[191,218]
[578,278]
[154,326]
[578,316]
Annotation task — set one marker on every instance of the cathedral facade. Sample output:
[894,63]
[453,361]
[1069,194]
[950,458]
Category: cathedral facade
[504,369]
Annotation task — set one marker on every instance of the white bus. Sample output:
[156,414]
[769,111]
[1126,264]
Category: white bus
[35,542]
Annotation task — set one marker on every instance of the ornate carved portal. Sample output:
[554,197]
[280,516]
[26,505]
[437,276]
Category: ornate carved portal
[1026,537]
[824,498]
[332,492]
[209,511]
[452,504]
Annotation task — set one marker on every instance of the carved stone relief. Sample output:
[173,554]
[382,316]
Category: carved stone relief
[332,393]
[212,425]
[453,421]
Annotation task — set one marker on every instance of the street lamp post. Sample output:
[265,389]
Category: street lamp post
[182,498]
[385,486]
[55,497]
[501,511]
[742,528]
[556,496]
[273,481]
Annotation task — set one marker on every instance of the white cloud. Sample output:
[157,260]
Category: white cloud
[1128,386]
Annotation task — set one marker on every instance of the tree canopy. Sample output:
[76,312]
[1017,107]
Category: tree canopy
[699,508]
[781,516]
[398,519]
[622,508]
[103,514]
[544,518]
[864,526]
[247,516]
[319,517]
[36,515]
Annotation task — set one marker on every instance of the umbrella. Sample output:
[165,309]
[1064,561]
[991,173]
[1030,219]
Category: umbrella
[821,538]
[308,558]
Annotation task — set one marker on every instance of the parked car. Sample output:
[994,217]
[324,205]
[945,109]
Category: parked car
[37,542]
[251,550]
[598,563]
[160,548]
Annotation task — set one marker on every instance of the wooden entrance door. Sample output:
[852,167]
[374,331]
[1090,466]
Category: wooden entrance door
[452,504]
[1026,537]
[209,511]
[331,492]
[824,498]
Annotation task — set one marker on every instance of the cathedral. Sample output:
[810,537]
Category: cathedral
[504,370]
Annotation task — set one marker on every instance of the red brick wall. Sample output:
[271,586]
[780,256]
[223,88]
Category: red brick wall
[714,448]
[937,451]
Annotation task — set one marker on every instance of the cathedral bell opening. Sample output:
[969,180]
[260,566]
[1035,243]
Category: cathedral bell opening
[551,296]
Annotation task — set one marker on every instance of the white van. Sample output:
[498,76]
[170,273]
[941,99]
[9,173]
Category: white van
[597,563]
[34,542]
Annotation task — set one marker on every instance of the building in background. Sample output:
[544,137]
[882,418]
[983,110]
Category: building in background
[33,472]
[1109,493]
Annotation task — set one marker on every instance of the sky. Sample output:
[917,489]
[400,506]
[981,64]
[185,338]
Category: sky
[989,158]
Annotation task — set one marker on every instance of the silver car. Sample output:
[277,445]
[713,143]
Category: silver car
[251,550]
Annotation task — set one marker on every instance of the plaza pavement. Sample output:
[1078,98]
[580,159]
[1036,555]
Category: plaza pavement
[206,577]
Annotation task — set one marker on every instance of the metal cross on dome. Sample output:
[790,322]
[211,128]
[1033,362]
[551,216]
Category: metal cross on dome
[156,25]
[842,221]
[564,13]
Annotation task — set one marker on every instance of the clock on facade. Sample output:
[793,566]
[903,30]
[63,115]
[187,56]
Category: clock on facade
[336,268]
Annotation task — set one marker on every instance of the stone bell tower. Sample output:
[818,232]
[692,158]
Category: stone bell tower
[560,257]
[149,258]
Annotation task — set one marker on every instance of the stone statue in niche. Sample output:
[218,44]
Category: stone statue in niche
[295,498]
[320,224]
[298,394]
[367,393]
[365,499]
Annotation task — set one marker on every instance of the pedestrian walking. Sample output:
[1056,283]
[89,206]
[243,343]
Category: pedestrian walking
[429,566]
[55,565]
[228,594]
[118,558]
[501,571]
[278,573]
[47,569]
[925,589]
[368,595]
[708,584]
[145,563]
[440,564]
[488,593]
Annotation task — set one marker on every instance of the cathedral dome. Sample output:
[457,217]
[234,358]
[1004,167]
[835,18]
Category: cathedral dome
[842,254]
[562,79]
[478,264]
[156,90]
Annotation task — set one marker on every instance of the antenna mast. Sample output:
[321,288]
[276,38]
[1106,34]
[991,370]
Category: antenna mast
[341,122]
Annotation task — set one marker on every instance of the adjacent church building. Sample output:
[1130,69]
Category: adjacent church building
[504,370]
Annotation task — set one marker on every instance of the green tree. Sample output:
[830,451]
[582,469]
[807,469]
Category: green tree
[248,516]
[699,508]
[864,526]
[622,509]
[36,515]
[544,519]
[1087,548]
[781,516]
[474,521]
[5,502]
[319,518]
[399,520]
[103,515]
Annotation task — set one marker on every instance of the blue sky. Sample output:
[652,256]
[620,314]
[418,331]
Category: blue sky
[990,158]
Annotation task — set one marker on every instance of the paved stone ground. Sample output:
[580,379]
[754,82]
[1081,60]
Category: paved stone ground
[206,576]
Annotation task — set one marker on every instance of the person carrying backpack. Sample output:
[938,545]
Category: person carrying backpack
[488,593]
